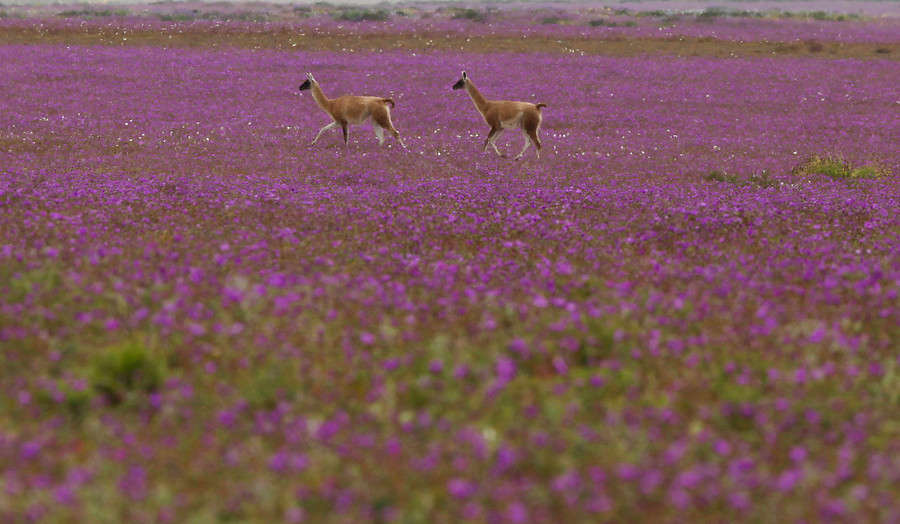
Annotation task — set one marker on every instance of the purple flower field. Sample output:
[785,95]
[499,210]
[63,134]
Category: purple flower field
[675,315]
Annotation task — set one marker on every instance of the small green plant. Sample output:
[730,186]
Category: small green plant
[551,20]
[267,388]
[471,14]
[712,12]
[717,175]
[178,17]
[600,345]
[721,176]
[833,17]
[838,168]
[763,179]
[125,369]
[76,401]
[69,400]
[600,22]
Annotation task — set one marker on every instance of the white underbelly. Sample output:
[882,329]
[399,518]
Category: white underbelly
[512,123]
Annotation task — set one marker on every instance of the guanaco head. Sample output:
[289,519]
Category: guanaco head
[461,83]
[308,83]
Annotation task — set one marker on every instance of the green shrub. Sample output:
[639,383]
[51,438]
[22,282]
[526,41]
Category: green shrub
[838,168]
[361,14]
[178,17]
[471,14]
[760,179]
[124,370]
[712,12]
[93,13]
[833,17]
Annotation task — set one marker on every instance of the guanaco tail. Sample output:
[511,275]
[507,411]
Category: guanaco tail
[347,110]
[501,114]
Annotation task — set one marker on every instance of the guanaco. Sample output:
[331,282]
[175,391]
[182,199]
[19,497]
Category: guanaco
[502,114]
[348,109]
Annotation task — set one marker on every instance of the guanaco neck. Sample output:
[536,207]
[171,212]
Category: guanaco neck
[481,103]
[320,98]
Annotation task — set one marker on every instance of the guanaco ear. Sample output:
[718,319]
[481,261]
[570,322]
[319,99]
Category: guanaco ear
[309,75]
[461,83]
[307,84]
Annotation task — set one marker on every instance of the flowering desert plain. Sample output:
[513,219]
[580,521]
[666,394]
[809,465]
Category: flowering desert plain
[686,310]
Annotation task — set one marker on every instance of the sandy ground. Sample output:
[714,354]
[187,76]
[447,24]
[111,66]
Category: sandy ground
[287,39]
